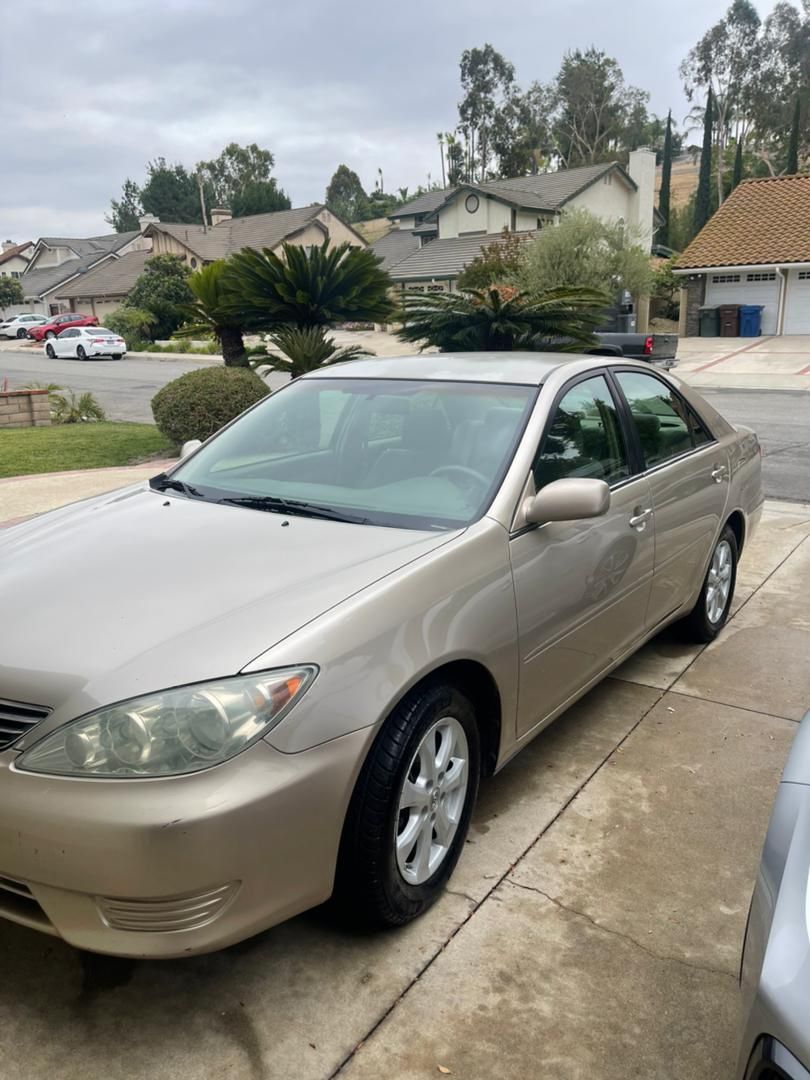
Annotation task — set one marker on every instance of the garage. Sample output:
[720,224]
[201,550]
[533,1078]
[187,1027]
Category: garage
[755,249]
[752,287]
[797,303]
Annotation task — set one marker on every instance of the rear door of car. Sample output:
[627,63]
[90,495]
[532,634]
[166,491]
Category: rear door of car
[581,587]
[688,472]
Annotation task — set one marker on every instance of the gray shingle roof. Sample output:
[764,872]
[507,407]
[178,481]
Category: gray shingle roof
[395,246]
[445,259]
[256,231]
[115,277]
[423,204]
[91,250]
[544,191]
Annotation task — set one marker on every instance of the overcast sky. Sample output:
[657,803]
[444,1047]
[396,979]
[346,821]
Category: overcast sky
[92,90]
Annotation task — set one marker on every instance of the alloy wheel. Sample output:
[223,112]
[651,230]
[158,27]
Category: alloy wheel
[718,582]
[431,801]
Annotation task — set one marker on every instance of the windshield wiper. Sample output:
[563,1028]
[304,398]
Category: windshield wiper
[162,482]
[274,504]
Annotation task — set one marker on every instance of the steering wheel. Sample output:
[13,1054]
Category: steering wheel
[461,476]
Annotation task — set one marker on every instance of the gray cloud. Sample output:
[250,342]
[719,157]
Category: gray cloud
[318,82]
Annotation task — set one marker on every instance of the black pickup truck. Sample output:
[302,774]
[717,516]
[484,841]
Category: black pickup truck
[657,349]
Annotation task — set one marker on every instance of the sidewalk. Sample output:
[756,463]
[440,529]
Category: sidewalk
[22,496]
[764,363]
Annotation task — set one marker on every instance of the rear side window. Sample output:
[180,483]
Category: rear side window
[667,427]
[585,437]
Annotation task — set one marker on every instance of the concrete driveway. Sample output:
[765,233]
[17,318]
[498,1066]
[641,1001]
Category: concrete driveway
[763,363]
[592,929]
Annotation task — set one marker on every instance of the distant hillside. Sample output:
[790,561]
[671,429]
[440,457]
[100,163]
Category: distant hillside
[684,180]
[372,230]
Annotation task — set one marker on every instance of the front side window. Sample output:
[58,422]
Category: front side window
[666,425]
[585,437]
[384,451]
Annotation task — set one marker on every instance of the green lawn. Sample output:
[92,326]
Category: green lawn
[77,446]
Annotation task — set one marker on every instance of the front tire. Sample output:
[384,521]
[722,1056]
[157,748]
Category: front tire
[22,332]
[49,334]
[710,614]
[49,352]
[411,808]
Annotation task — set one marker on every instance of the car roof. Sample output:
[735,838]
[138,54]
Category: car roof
[526,368]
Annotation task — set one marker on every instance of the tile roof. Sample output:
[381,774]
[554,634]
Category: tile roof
[115,277]
[543,191]
[395,246]
[17,249]
[447,258]
[90,251]
[762,222]
[89,245]
[257,231]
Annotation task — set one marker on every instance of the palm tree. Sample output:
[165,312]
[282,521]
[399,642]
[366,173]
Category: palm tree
[303,350]
[212,313]
[502,318]
[308,286]
[440,140]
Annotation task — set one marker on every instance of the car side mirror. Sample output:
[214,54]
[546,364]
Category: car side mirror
[189,447]
[569,499]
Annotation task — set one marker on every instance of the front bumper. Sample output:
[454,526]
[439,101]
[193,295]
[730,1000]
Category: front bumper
[208,859]
[771,1061]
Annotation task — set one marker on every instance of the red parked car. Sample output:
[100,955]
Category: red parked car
[59,323]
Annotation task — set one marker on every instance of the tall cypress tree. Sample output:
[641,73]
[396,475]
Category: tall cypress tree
[793,146]
[736,176]
[703,197]
[666,183]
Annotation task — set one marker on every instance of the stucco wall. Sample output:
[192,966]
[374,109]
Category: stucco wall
[165,244]
[338,233]
[490,217]
[54,256]
[15,265]
[609,201]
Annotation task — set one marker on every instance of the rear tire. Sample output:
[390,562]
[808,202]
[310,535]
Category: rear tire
[82,355]
[710,614]
[411,809]
[22,332]
[49,351]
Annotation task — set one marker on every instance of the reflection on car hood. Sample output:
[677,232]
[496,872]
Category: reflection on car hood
[139,591]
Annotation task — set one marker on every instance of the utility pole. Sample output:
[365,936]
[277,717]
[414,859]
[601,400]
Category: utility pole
[202,203]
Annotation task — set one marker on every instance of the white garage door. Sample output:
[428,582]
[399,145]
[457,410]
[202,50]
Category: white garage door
[759,287]
[797,303]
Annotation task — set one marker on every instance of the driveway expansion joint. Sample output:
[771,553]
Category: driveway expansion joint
[664,957]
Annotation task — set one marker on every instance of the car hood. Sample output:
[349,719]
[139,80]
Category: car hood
[139,591]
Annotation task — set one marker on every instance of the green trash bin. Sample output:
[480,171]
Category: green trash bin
[709,322]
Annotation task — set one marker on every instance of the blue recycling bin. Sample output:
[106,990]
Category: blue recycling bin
[750,320]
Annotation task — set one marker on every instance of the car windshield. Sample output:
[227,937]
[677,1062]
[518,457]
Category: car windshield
[412,454]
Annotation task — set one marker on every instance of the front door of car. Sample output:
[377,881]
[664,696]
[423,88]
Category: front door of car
[63,344]
[688,471]
[582,587]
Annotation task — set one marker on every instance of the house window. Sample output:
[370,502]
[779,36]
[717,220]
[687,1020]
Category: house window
[513,220]
[761,277]
[608,179]
[415,288]
[16,273]
[193,262]
[435,288]
[725,279]
[471,204]
[804,275]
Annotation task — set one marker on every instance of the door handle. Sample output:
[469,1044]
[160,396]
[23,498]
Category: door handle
[640,518]
[719,473]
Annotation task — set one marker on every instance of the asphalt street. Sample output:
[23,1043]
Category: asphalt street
[126,387]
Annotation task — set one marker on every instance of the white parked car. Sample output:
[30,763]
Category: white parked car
[17,326]
[82,342]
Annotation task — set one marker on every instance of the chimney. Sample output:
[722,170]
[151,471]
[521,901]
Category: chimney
[641,166]
[218,215]
[148,219]
[8,244]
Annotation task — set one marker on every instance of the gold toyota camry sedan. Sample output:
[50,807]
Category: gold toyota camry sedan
[277,673]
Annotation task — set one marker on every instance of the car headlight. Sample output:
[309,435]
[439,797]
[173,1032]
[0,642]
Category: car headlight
[170,733]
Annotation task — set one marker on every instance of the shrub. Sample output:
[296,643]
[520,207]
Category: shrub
[133,324]
[69,409]
[201,402]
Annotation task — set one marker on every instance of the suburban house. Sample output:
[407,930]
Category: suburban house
[754,250]
[103,289]
[56,261]
[198,244]
[14,258]
[437,234]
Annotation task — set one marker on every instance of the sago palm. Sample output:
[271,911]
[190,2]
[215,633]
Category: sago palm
[212,312]
[309,286]
[501,319]
[302,350]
